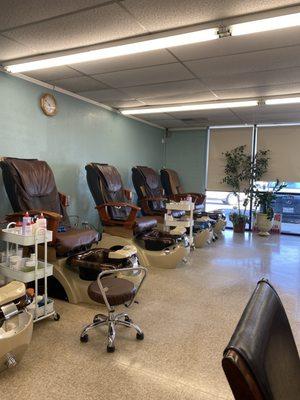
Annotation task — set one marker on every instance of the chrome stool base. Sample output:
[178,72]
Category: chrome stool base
[111,320]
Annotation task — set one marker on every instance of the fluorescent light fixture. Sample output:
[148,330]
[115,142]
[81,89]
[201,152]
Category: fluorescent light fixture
[190,107]
[267,24]
[284,100]
[116,51]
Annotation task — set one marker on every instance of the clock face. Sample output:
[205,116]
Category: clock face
[48,104]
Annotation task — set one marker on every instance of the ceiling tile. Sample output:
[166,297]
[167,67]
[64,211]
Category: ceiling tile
[98,25]
[79,84]
[140,76]
[239,44]
[178,98]
[166,89]
[106,95]
[213,117]
[123,104]
[274,90]
[268,116]
[158,14]
[16,12]
[253,79]
[167,123]
[126,62]
[52,74]
[10,49]
[247,62]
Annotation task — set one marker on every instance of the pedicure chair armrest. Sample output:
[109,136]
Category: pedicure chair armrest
[64,199]
[127,194]
[52,217]
[105,218]
[145,204]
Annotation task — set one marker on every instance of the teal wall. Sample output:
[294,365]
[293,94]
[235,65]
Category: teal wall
[186,153]
[78,134]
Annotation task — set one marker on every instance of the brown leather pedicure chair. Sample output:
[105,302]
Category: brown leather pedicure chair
[152,200]
[30,186]
[171,184]
[122,226]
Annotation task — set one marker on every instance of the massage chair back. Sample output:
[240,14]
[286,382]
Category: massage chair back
[30,185]
[105,184]
[170,182]
[261,360]
[146,182]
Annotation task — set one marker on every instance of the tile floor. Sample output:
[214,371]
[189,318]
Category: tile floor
[188,316]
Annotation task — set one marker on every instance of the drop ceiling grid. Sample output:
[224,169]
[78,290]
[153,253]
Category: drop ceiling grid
[211,82]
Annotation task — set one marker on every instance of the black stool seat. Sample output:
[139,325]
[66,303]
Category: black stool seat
[118,291]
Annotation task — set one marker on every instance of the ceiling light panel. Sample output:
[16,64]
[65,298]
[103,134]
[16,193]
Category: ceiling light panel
[117,51]
[190,107]
[266,24]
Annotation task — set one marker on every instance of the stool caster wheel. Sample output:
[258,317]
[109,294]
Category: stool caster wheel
[56,317]
[140,336]
[110,349]
[84,338]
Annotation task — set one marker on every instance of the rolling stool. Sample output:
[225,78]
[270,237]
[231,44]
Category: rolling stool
[112,291]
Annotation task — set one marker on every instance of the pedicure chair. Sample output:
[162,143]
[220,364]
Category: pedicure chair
[30,186]
[173,189]
[15,324]
[121,226]
[152,200]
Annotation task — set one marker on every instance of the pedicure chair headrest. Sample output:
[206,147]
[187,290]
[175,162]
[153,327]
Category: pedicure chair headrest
[30,186]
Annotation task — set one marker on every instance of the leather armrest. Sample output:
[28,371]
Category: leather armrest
[106,220]
[64,199]
[52,217]
[146,207]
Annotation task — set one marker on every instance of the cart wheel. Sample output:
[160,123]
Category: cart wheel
[56,317]
[140,336]
[110,349]
[84,338]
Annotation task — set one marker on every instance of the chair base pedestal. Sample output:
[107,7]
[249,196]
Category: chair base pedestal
[111,321]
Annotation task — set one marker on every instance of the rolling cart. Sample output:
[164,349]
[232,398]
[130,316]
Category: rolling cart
[185,222]
[41,270]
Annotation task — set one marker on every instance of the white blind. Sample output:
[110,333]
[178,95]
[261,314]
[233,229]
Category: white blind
[284,145]
[220,141]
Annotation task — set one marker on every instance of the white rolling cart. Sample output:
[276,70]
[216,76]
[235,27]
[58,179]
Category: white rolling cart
[186,222]
[42,269]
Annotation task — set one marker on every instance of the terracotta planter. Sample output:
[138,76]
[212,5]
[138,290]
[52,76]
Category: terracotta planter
[239,227]
[264,224]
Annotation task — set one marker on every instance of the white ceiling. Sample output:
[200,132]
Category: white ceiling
[253,66]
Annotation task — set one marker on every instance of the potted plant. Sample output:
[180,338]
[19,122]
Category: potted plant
[241,171]
[264,201]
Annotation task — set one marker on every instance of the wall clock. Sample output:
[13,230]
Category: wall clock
[48,104]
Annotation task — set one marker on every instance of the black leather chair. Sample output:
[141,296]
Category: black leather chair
[118,215]
[151,198]
[261,361]
[30,186]
[173,189]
